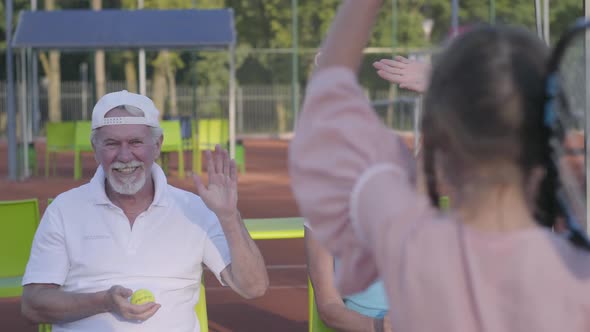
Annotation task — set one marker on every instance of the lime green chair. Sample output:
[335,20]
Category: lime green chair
[172,143]
[444,203]
[315,322]
[81,144]
[240,157]
[60,138]
[200,310]
[212,132]
[18,222]
[196,150]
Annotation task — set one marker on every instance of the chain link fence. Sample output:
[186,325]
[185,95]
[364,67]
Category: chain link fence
[261,110]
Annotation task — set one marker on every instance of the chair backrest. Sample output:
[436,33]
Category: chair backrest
[82,136]
[172,135]
[17,229]
[213,131]
[60,136]
[315,322]
[201,309]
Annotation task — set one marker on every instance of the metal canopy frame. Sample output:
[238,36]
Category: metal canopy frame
[86,30]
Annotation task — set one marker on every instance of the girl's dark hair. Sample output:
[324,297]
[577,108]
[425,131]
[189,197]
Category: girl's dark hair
[485,105]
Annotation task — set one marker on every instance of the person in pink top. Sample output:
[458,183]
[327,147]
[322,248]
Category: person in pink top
[490,264]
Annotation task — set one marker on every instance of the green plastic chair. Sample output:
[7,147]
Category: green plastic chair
[444,203]
[315,322]
[81,144]
[212,132]
[240,157]
[60,138]
[172,143]
[200,310]
[18,224]
[195,148]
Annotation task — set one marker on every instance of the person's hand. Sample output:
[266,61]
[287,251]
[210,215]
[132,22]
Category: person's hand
[409,74]
[117,302]
[221,195]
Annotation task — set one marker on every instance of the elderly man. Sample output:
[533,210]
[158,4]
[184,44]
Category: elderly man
[128,229]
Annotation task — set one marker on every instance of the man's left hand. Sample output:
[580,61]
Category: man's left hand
[221,194]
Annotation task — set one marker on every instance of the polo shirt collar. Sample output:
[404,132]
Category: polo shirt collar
[161,198]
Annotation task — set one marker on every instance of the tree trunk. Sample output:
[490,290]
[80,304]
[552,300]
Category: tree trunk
[99,62]
[130,72]
[54,78]
[54,89]
[159,82]
[170,75]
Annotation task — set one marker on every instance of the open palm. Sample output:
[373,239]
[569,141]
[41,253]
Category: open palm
[221,193]
[409,74]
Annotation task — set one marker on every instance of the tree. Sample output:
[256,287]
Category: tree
[99,62]
[52,70]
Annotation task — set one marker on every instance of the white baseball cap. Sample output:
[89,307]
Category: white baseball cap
[120,98]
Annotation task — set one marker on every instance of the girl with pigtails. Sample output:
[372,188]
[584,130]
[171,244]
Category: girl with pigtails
[490,264]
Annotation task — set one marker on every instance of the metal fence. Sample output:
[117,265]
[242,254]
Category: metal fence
[261,110]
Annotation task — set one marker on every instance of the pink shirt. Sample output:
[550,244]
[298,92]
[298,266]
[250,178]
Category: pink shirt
[354,181]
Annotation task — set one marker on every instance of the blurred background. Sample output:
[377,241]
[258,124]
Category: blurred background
[276,45]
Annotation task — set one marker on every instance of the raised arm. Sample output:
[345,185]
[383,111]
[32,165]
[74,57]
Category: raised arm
[246,274]
[349,34]
[339,144]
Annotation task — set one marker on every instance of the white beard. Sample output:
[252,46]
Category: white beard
[126,184]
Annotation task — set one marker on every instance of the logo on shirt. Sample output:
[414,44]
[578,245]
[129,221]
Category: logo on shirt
[96,237]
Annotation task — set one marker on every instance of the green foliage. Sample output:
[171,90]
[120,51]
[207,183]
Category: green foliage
[265,26]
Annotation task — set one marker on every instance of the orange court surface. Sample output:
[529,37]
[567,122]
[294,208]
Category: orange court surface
[264,192]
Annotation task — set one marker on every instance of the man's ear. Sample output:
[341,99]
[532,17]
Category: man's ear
[159,146]
[94,148]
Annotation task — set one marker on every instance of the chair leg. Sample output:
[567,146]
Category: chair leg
[47,155]
[196,152]
[181,163]
[77,165]
[164,161]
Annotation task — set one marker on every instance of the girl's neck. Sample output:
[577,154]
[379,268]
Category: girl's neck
[502,208]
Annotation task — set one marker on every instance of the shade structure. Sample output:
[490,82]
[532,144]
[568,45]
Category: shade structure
[86,30]
[125,29]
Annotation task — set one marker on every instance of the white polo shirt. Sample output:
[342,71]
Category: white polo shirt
[85,244]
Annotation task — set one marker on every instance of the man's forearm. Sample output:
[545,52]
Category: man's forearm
[52,305]
[247,270]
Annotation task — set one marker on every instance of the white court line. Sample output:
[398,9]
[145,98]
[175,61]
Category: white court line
[218,288]
[286,266]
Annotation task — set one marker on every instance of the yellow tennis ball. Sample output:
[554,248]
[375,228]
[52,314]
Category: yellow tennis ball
[142,296]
